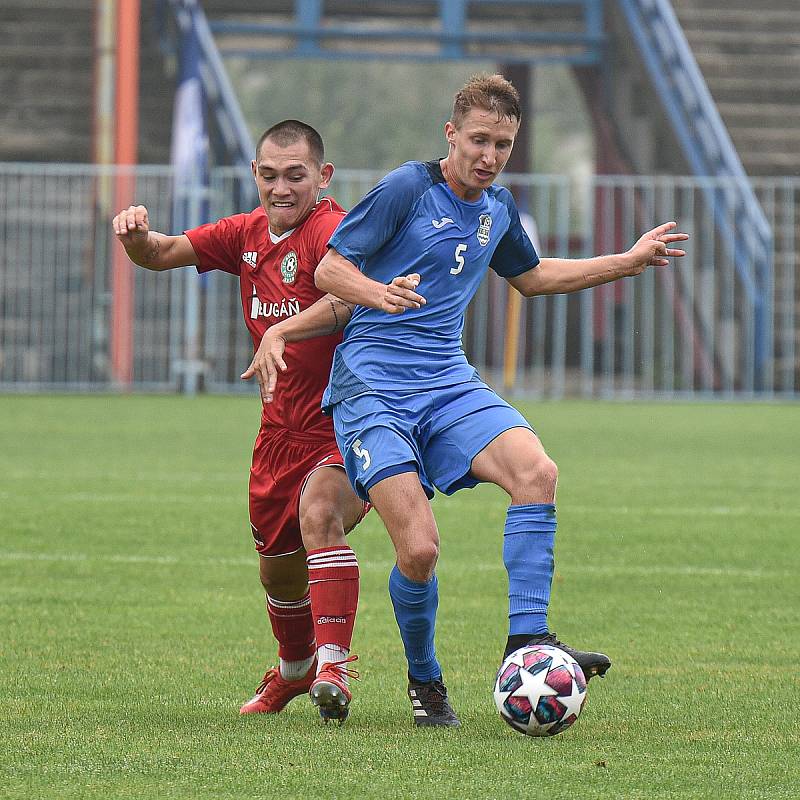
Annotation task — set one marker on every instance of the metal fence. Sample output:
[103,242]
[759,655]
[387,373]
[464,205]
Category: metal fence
[698,329]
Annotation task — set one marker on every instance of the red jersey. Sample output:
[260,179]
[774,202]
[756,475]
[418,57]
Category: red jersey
[277,281]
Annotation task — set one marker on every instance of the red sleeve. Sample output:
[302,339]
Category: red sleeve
[219,244]
[321,232]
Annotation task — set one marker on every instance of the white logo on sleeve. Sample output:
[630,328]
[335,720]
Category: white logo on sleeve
[250,258]
[440,223]
[362,452]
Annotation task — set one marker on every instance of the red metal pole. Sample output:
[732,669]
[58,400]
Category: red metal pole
[126,144]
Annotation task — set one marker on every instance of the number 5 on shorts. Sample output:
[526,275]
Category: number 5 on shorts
[362,452]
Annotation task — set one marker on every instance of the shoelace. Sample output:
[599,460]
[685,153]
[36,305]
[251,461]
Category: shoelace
[435,695]
[338,667]
[550,638]
[269,676]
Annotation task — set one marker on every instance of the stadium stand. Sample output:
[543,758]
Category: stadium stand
[46,81]
[751,62]
[749,59]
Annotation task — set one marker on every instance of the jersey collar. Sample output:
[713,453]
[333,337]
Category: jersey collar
[277,239]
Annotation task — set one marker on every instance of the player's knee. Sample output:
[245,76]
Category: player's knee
[281,579]
[320,526]
[280,586]
[538,476]
[417,561]
[551,473]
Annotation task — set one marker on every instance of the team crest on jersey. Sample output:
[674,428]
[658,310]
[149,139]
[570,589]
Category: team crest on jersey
[289,267]
[484,228]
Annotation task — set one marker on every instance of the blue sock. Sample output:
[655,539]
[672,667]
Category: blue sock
[528,540]
[415,607]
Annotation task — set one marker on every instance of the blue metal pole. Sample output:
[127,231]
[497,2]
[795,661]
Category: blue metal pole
[593,16]
[452,14]
[308,13]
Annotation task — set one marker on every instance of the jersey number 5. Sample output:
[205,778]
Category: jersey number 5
[362,452]
[460,248]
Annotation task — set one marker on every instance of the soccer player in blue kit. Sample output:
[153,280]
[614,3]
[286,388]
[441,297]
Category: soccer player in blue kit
[410,413]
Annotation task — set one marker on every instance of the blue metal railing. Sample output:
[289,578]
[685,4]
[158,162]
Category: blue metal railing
[451,36]
[740,220]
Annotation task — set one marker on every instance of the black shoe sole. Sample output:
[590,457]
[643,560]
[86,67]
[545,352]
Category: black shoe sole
[427,722]
[596,670]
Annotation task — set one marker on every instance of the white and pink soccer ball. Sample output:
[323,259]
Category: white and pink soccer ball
[540,690]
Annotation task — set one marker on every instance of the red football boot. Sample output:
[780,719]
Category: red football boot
[274,691]
[329,691]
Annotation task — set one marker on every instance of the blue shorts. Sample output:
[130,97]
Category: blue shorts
[435,433]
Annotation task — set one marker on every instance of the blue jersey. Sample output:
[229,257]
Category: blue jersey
[413,222]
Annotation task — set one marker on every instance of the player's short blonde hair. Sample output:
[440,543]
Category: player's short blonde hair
[489,92]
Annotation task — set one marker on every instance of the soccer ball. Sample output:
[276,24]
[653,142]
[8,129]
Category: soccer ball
[540,690]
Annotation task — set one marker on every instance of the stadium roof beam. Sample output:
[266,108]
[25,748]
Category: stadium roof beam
[509,31]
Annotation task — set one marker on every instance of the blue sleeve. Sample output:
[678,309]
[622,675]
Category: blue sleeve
[378,216]
[515,253]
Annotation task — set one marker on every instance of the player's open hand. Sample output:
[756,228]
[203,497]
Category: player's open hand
[131,227]
[266,364]
[653,250]
[400,294]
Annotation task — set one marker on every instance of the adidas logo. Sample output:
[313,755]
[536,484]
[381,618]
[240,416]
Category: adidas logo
[325,620]
[419,711]
[250,258]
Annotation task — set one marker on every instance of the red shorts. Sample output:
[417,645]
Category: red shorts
[282,463]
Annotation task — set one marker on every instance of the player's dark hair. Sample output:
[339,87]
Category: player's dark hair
[290,131]
[489,92]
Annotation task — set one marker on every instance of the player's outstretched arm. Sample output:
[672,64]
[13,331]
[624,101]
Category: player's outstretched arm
[150,249]
[563,275]
[328,315]
[337,275]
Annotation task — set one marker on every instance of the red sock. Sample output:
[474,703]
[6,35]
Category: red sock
[293,627]
[333,584]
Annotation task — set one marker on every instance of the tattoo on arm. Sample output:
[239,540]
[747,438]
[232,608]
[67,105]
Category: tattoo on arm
[342,316]
[151,254]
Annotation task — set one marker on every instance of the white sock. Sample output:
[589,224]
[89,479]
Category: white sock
[295,670]
[329,653]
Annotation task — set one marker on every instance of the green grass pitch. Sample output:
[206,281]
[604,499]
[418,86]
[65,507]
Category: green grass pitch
[132,621]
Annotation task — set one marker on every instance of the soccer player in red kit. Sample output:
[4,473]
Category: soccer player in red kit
[301,504]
